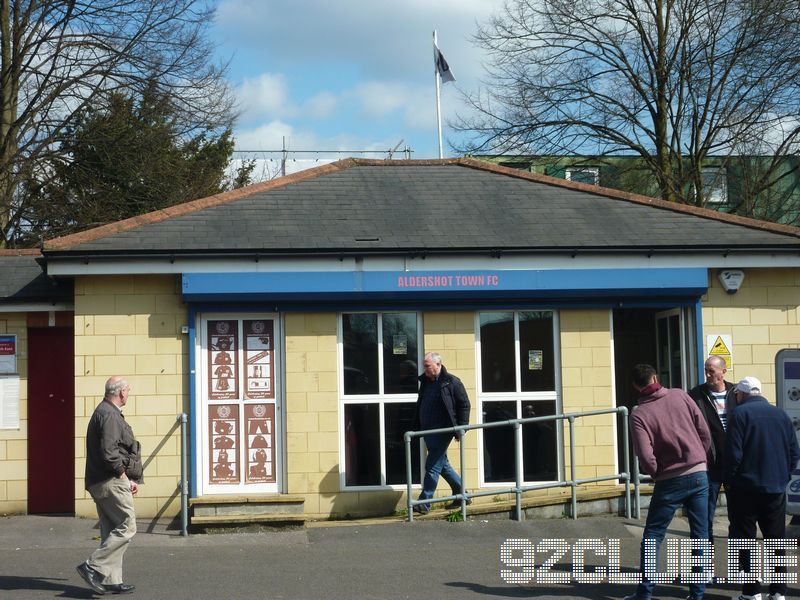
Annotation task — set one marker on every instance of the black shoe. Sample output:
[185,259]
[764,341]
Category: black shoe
[92,577]
[120,588]
[421,509]
[457,503]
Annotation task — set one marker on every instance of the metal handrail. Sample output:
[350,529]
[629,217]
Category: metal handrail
[518,488]
[183,419]
[638,479]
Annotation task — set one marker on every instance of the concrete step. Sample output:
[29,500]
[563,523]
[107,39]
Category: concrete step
[238,519]
[256,505]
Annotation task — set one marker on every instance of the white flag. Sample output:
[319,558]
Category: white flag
[441,65]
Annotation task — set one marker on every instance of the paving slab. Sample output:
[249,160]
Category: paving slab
[432,559]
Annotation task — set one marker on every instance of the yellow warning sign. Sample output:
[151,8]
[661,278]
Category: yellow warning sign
[719,348]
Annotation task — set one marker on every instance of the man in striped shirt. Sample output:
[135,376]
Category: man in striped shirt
[715,398]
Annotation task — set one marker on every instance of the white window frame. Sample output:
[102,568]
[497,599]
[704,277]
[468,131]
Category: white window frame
[518,396]
[380,398]
[715,188]
[595,171]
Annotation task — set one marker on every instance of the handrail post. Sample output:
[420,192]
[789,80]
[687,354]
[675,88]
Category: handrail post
[518,468]
[572,470]
[627,459]
[407,442]
[183,419]
[636,487]
[462,436]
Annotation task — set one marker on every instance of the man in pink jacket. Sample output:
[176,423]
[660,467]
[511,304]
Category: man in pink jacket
[671,439]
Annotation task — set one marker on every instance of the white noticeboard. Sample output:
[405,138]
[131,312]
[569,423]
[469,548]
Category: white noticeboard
[9,401]
[787,387]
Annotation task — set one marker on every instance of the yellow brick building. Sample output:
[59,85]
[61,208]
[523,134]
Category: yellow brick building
[288,320]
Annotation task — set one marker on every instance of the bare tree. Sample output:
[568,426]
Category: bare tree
[58,57]
[670,81]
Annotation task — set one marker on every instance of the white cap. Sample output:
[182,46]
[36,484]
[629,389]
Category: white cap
[749,385]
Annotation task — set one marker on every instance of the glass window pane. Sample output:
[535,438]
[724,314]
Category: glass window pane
[590,175]
[536,351]
[662,338]
[497,352]
[362,445]
[399,418]
[360,349]
[498,442]
[400,369]
[539,443]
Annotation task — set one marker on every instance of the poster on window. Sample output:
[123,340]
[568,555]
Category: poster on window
[223,383]
[260,423]
[223,424]
[8,354]
[400,345]
[259,373]
[535,360]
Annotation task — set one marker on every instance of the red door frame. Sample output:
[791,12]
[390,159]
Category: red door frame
[51,420]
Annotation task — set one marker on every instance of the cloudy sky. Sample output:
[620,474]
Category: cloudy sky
[347,74]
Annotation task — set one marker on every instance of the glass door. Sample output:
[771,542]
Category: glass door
[672,365]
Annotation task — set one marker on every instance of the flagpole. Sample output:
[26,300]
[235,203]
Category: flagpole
[438,96]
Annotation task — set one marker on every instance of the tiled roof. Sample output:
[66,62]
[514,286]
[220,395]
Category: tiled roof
[450,205]
[22,280]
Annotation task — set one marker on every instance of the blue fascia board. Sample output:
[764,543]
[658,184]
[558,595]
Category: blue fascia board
[442,285]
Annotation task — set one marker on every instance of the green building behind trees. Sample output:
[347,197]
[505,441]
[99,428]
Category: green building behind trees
[759,187]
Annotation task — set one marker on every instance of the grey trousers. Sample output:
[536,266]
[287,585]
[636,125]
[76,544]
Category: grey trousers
[114,502]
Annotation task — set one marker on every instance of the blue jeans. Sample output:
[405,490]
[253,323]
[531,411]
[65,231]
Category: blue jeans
[689,491]
[436,463]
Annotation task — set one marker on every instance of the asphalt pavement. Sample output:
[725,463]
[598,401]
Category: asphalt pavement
[338,561]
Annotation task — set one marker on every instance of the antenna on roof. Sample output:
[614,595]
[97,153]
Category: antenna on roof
[393,150]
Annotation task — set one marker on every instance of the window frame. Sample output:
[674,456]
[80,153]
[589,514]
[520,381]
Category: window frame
[595,171]
[717,193]
[380,398]
[518,396]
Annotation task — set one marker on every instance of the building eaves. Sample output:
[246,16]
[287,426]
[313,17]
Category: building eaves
[22,280]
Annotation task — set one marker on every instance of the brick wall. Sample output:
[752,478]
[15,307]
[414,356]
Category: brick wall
[14,442]
[586,378]
[312,447]
[131,326]
[762,318]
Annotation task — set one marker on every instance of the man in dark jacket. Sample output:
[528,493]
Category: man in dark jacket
[715,399]
[762,451]
[113,473]
[442,402]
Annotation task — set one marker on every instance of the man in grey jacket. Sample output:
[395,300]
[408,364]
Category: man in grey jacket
[113,473]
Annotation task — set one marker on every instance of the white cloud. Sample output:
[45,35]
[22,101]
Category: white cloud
[351,74]
[321,106]
[381,37]
[414,106]
[266,141]
[266,137]
[266,94]
[381,98]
